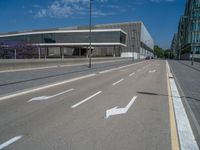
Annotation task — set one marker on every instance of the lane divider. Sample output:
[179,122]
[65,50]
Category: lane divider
[124,70]
[152,71]
[7,143]
[130,75]
[118,82]
[85,100]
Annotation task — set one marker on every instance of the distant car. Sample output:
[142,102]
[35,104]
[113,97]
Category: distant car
[148,57]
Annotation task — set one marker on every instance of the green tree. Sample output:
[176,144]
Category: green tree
[158,51]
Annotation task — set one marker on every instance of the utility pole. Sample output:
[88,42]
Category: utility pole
[90,38]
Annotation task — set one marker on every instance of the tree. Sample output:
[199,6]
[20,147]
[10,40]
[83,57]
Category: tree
[158,51]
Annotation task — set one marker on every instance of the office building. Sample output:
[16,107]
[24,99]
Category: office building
[188,36]
[116,40]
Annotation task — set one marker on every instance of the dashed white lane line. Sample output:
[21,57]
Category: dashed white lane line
[117,82]
[113,69]
[106,71]
[45,87]
[130,75]
[85,100]
[7,143]
[124,70]
[139,70]
[152,71]
[42,98]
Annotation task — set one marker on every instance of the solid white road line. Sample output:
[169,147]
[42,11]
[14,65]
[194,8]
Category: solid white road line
[7,143]
[85,100]
[44,87]
[41,98]
[124,70]
[117,82]
[117,111]
[186,136]
[130,75]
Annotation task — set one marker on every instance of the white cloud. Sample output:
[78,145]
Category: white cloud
[67,8]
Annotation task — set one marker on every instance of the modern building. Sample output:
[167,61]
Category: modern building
[174,43]
[117,40]
[188,36]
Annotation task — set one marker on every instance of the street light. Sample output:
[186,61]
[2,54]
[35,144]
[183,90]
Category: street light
[90,38]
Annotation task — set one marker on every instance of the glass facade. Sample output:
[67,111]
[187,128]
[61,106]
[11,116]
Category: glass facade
[119,39]
[70,37]
[188,35]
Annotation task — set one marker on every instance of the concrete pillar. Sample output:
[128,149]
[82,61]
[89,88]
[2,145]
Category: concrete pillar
[79,50]
[15,55]
[62,50]
[39,52]
[87,54]
[114,52]
[45,55]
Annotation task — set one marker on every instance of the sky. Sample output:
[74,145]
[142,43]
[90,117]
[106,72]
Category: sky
[160,17]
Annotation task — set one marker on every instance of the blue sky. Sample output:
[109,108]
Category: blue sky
[159,16]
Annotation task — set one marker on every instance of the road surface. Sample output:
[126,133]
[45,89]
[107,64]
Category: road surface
[123,108]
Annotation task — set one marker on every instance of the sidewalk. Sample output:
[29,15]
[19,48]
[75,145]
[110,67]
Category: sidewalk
[188,78]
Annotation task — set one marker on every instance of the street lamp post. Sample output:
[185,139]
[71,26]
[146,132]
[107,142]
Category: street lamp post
[90,38]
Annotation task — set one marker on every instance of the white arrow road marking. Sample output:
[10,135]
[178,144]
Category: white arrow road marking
[130,75]
[41,98]
[152,71]
[117,82]
[85,100]
[10,142]
[117,111]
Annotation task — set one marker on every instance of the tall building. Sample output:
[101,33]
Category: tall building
[188,36]
[130,39]
[174,43]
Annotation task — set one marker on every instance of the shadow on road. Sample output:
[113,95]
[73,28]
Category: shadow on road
[157,94]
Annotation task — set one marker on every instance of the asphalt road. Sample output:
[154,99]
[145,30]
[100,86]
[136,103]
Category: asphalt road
[17,80]
[73,116]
